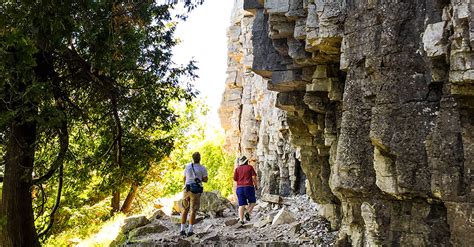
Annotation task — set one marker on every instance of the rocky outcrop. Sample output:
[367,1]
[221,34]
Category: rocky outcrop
[254,127]
[374,100]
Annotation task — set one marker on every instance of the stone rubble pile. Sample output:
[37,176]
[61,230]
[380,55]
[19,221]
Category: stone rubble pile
[294,222]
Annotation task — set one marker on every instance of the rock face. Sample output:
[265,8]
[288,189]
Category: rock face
[372,102]
[254,127]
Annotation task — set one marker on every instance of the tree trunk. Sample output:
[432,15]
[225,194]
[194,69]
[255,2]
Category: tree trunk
[127,204]
[115,201]
[16,212]
[117,159]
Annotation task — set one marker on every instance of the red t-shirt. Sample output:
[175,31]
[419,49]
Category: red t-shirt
[243,175]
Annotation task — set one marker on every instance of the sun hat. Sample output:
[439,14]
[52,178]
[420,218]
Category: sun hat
[243,160]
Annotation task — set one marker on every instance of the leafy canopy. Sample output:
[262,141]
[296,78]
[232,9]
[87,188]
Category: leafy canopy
[97,80]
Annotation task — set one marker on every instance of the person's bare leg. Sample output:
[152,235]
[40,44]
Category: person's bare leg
[192,217]
[250,208]
[195,200]
[184,215]
[241,212]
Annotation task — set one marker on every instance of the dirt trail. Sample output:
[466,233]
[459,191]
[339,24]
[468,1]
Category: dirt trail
[306,228]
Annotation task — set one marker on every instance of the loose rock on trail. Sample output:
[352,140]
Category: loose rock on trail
[294,221]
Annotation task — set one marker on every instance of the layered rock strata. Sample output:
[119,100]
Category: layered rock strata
[373,99]
[254,127]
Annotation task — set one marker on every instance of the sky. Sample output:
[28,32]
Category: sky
[203,38]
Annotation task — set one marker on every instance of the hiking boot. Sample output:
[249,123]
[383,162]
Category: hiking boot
[247,216]
[182,233]
[242,222]
[190,234]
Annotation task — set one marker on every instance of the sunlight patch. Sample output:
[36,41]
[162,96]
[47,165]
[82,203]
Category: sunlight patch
[107,233]
[166,204]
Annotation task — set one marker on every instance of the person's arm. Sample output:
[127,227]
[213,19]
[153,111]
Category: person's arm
[235,174]
[255,182]
[254,179]
[184,181]
[184,175]
[205,177]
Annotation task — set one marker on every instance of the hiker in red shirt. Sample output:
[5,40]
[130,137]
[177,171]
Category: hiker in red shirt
[246,179]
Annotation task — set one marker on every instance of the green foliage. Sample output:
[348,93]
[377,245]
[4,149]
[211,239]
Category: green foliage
[164,179]
[86,226]
[80,220]
[218,163]
[105,69]
[16,70]
[172,182]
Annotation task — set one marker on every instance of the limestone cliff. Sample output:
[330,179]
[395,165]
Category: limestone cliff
[372,101]
[254,126]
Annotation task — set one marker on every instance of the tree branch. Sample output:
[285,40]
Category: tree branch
[56,205]
[81,112]
[108,85]
[63,131]
[58,162]
[43,199]
[110,148]
[119,131]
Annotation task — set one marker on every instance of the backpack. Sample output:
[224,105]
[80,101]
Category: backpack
[195,187]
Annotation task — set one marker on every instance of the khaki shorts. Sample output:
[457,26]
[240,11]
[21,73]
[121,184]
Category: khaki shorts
[191,201]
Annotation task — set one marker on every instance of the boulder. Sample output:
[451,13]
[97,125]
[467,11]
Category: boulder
[295,229]
[283,217]
[262,223]
[231,222]
[271,198]
[211,203]
[213,238]
[258,215]
[263,205]
[147,229]
[177,207]
[158,214]
[131,223]
[183,243]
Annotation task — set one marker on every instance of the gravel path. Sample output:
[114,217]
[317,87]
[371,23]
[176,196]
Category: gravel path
[308,228]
